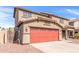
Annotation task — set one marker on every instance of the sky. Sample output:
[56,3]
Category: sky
[7,20]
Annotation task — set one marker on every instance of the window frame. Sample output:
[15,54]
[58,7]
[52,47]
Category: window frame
[71,23]
[27,14]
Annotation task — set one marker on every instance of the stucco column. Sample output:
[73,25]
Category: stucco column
[66,34]
[60,34]
[73,33]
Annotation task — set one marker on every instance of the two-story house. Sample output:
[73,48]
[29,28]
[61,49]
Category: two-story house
[34,27]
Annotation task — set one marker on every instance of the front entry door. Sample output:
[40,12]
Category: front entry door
[63,34]
[70,33]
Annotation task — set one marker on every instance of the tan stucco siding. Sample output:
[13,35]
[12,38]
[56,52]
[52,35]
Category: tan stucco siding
[16,18]
[66,22]
[6,34]
[76,24]
[58,20]
[3,37]
[20,33]
[21,17]
[26,36]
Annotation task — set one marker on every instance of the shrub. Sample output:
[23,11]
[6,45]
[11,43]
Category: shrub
[77,35]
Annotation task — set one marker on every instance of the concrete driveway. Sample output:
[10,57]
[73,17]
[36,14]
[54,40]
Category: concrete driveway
[57,46]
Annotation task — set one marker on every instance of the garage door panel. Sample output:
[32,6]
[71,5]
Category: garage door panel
[43,35]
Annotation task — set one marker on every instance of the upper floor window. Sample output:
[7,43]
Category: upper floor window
[62,21]
[71,23]
[27,14]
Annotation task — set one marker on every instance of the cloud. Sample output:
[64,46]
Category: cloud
[73,11]
[5,12]
[7,22]
[71,18]
[6,18]
[6,9]
[3,15]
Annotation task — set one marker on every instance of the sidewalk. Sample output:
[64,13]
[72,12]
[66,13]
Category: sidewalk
[73,41]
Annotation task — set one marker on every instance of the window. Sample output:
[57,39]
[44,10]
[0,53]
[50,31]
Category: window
[62,21]
[71,23]
[27,14]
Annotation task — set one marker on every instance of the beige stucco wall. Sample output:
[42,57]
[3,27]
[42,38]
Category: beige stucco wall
[58,20]
[20,15]
[3,36]
[20,34]
[26,36]
[66,22]
[16,17]
[76,24]
[6,34]
[21,18]
[10,35]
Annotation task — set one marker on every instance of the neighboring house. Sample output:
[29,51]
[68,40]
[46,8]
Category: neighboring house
[33,27]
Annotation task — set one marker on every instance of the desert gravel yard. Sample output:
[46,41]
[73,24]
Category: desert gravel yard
[16,48]
[57,47]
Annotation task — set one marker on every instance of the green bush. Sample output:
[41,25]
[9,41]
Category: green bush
[77,35]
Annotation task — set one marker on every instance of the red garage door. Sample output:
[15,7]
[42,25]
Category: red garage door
[43,35]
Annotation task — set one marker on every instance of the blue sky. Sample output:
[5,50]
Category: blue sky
[7,20]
